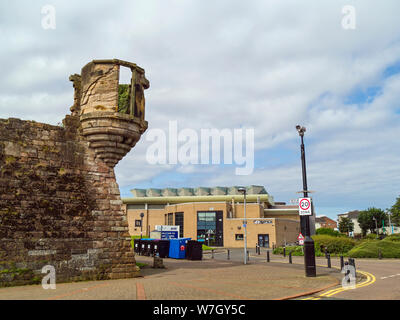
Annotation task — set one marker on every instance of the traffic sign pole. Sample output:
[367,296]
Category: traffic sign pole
[245,230]
[309,250]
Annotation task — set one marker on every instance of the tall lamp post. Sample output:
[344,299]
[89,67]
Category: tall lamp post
[309,250]
[243,190]
[141,224]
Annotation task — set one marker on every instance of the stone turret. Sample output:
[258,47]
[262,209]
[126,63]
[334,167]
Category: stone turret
[60,203]
[111,128]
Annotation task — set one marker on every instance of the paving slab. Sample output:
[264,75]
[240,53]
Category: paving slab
[209,279]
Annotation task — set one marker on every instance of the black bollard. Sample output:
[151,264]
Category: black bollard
[259,250]
[329,260]
[229,254]
[284,251]
[212,254]
[341,262]
[380,254]
[290,257]
[268,259]
[248,258]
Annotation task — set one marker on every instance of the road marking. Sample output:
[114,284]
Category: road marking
[391,276]
[370,280]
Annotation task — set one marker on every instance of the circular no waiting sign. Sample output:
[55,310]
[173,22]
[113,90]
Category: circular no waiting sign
[305,204]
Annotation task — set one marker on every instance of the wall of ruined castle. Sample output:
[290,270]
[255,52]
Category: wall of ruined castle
[59,206]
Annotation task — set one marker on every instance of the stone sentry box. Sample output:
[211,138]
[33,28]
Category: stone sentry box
[111,133]
[59,201]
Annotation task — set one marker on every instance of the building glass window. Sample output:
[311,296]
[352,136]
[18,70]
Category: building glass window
[170,221]
[239,236]
[206,226]
[179,222]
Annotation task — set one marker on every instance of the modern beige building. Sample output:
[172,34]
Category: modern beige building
[214,215]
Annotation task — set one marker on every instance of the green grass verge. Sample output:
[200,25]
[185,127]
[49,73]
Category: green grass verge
[205,248]
[370,249]
[141,265]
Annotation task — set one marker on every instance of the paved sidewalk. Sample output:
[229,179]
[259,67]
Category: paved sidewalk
[209,279]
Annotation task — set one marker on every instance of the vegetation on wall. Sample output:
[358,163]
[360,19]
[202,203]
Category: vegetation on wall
[123,98]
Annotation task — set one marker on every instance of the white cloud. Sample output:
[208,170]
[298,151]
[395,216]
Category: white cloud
[265,65]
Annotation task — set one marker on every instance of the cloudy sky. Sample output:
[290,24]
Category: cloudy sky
[265,65]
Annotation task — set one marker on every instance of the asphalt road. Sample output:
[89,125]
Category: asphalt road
[381,279]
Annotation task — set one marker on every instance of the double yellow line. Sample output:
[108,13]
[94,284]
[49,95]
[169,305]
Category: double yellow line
[370,280]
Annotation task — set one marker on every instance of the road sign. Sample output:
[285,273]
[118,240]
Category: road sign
[305,207]
[301,239]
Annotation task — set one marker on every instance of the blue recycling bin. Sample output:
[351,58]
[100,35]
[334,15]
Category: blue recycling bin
[177,248]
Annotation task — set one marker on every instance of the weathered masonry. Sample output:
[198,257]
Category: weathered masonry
[59,201]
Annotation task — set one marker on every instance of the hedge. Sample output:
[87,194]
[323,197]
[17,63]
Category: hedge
[329,232]
[335,245]
[297,251]
[370,249]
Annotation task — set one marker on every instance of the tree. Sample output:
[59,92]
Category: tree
[346,225]
[366,219]
[395,211]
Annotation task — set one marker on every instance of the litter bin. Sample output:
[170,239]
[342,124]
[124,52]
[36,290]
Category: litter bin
[177,248]
[194,250]
[163,248]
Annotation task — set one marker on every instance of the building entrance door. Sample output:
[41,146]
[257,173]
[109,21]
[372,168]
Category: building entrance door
[210,228]
[263,240]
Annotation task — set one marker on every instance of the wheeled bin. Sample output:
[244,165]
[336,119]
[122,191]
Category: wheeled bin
[177,248]
[137,246]
[162,248]
[147,247]
[194,250]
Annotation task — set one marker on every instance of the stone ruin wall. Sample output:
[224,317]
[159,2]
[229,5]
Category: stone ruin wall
[59,201]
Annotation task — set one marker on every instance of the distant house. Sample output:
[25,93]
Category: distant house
[325,222]
[353,215]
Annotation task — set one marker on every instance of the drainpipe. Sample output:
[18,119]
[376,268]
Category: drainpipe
[146,208]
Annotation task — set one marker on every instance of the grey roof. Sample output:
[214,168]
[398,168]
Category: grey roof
[351,214]
[199,191]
